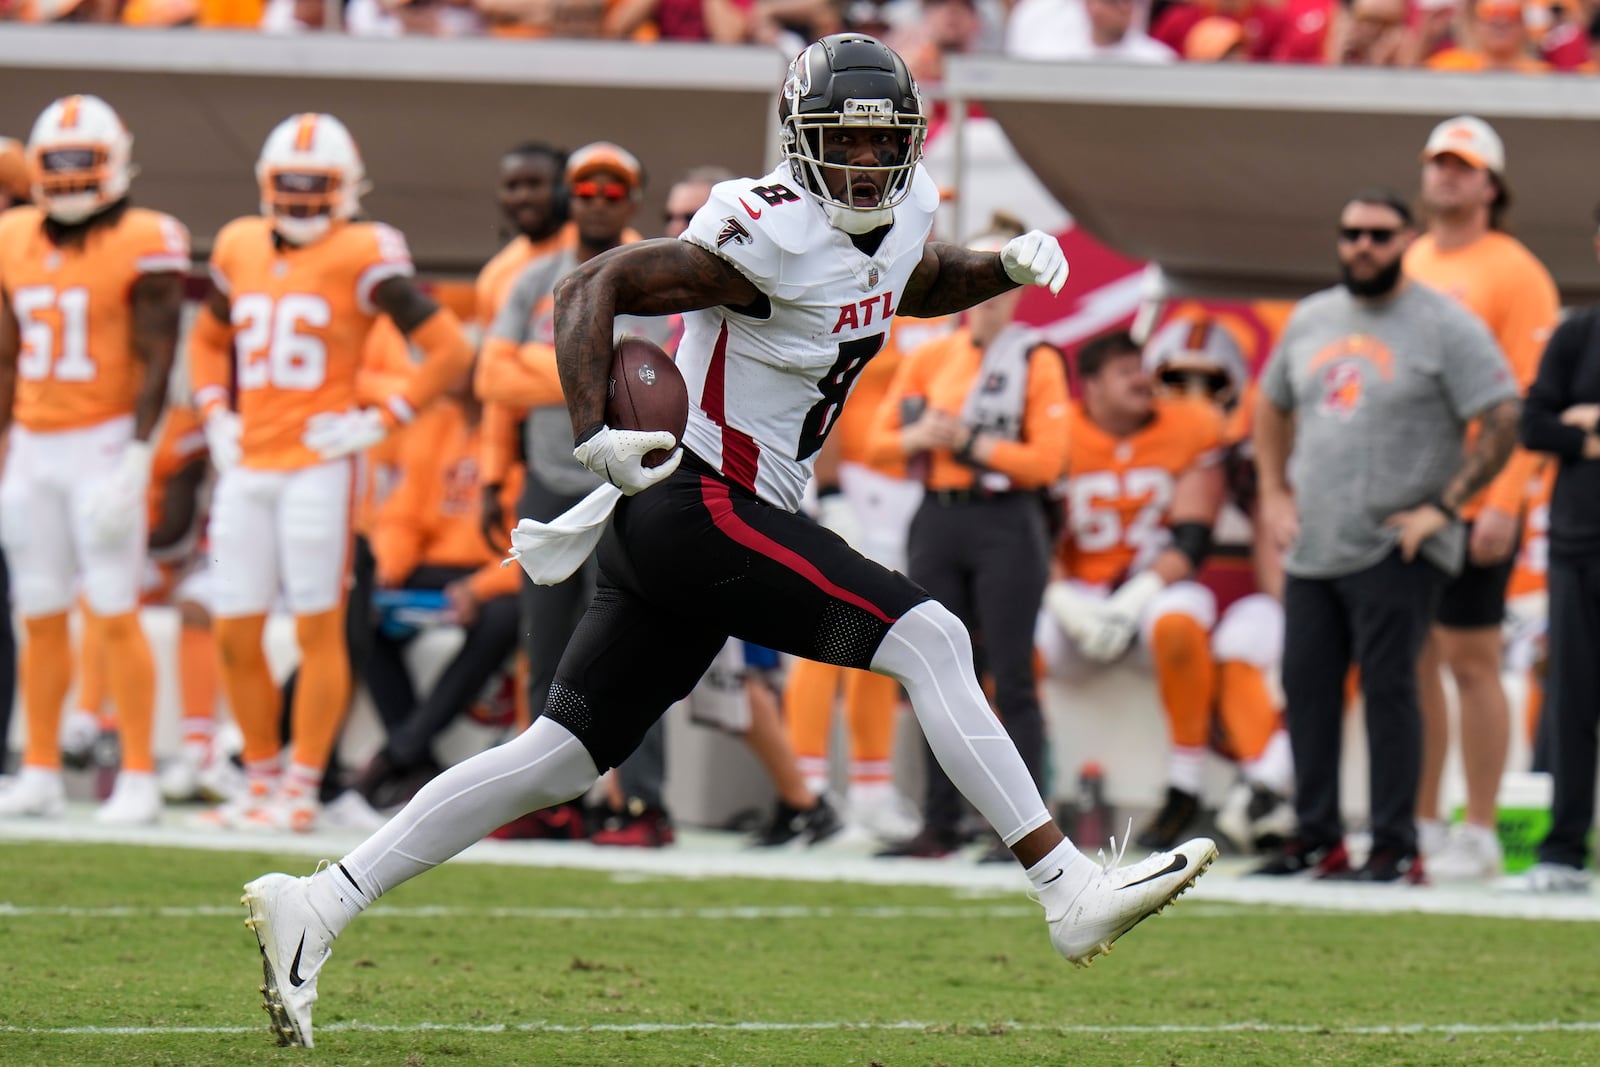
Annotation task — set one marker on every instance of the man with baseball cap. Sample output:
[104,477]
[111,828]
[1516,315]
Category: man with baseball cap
[1467,254]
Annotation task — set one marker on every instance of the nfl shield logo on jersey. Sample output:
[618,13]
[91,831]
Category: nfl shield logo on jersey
[872,277]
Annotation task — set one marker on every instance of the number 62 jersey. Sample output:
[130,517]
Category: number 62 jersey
[767,381]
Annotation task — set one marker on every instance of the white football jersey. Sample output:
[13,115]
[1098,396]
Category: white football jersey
[767,381]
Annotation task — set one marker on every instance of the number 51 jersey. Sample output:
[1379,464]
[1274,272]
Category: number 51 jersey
[767,381]
[75,366]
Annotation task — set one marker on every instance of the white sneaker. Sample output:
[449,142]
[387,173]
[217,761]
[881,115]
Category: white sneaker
[1088,909]
[1252,816]
[233,814]
[287,813]
[1470,854]
[350,811]
[882,812]
[222,780]
[1548,878]
[37,792]
[135,800]
[1433,837]
[179,780]
[295,943]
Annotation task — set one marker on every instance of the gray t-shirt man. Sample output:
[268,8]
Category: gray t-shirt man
[1381,395]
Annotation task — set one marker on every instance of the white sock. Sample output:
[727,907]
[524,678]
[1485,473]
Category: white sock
[543,766]
[1054,867]
[1274,768]
[1186,769]
[335,892]
[928,651]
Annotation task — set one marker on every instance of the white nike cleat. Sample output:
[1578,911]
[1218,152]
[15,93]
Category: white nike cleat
[295,943]
[1088,909]
[36,792]
[134,801]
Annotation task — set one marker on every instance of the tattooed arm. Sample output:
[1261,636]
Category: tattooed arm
[950,279]
[1497,432]
[660,277]
[157,303]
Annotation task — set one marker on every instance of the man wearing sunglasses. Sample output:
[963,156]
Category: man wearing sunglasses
[1467,254]
[1359,428]
[517,370]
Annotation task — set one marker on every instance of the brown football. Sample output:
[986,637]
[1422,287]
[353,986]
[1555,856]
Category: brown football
[646,392]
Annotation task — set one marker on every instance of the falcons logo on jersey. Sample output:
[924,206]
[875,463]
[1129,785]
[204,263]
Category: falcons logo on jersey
[733,230]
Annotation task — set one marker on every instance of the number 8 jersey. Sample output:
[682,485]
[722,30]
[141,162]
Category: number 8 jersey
[767,381]
[300,317]
[75,363]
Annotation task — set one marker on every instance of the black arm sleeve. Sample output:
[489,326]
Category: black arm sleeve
[1542,429]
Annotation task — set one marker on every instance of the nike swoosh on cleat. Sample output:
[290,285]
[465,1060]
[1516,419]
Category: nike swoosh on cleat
[294,968]
[1179,862]
[1059,872]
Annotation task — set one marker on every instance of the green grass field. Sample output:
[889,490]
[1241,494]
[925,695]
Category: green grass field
[139,957]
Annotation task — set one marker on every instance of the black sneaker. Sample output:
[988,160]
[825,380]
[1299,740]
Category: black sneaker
[1384,865]
[812,826]
[1170,823]
[926,845]
[1299,857]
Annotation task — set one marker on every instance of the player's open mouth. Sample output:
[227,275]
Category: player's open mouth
[863,193]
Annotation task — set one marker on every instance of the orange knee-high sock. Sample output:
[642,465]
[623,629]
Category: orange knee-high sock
[46,677]
[808,701]
[320,697]
[869,707]
[1249,717]
[91,664]
[133,688]
[197,670]
[247,680]
[1186,676]
[1352,686]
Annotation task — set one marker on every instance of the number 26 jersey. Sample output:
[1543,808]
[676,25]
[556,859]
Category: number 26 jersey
[767,381]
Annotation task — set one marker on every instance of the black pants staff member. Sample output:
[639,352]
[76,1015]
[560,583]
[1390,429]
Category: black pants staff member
[1561,416]
[983,413]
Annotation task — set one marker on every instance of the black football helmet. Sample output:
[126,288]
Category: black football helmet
[850,79]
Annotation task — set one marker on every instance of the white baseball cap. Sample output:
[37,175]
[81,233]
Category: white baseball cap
[1468,138]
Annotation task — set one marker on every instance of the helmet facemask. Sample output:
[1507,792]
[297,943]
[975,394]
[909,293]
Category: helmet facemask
[805,146]
[301,203]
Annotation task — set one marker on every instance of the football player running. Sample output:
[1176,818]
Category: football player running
[90,294]
[295,291]
[789,283]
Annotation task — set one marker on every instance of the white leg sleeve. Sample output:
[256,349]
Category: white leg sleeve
[543,766]
[928,651]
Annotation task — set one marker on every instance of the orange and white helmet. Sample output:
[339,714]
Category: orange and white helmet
[311,175]
[1198,351]
[79,158]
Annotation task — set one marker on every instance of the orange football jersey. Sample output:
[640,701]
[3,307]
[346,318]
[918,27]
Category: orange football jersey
[300,318]
[1119,489]
[76,366]
[854,425]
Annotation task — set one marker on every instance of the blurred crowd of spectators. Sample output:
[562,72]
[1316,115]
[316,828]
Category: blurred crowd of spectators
[1531,36]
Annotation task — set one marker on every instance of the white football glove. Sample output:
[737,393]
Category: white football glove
[334,434]
[1113,627]
[222,439]
[618,457]
[120,499]
[836,513]
[1035,258]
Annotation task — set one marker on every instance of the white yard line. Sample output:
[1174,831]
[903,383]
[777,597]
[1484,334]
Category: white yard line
[1395,1029]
